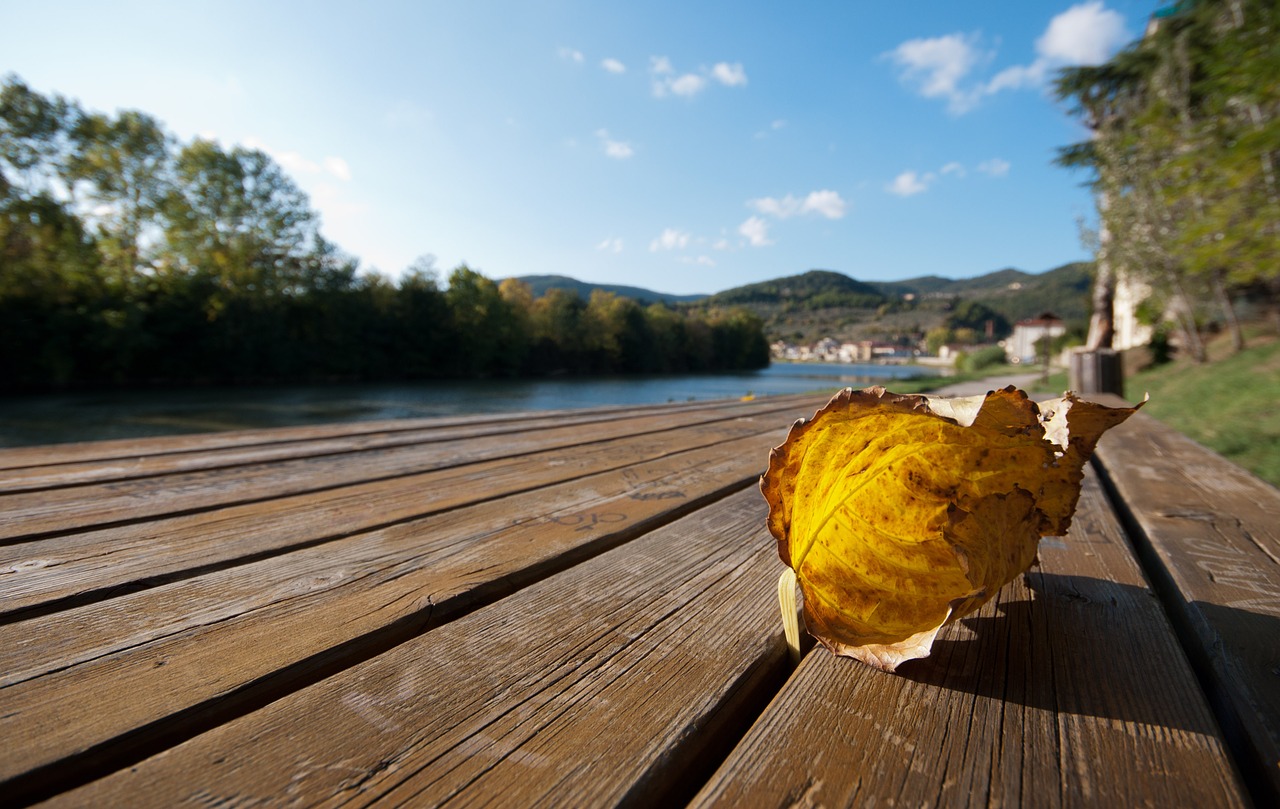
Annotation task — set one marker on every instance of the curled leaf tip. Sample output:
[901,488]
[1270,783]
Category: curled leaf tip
[900,513]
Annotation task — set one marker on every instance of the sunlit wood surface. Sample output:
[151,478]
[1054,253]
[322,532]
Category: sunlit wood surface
[579,608]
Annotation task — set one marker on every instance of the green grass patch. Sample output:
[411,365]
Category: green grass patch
[1229,405]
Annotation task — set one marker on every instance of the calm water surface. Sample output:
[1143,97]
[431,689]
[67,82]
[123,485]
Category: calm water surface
[53,419]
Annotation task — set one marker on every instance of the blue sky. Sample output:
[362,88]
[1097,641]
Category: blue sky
[685,147]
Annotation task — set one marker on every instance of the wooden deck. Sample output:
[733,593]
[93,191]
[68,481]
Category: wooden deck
[579,609]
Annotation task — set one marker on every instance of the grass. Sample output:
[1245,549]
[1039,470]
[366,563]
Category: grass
[1228,404]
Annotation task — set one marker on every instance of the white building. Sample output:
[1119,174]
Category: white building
[1021,345]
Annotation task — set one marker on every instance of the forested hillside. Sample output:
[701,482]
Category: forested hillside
[128,257]
[822,303]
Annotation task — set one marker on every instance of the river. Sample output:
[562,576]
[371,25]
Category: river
[59,418]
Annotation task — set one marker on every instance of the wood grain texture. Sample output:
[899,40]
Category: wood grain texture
[1210,535]
[92,564]
[1069,689]
[34,513]
[183,652]
[113,449]
[595,687]
[165,456]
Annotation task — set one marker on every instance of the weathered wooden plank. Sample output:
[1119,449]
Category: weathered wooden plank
[21,457]
[79,507]
[93,564]
[599,686]
[1209,534]
[1068,690]
[150,457]
[182,656]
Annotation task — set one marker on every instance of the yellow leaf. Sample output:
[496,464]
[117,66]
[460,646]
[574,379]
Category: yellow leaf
[901,513]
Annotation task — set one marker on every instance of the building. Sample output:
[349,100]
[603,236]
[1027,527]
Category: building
[1021,345]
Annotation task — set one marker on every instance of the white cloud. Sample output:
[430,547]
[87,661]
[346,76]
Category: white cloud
[613,66]
[721,244]
[667,82]
[909,183]
[941,67]
[610,245]
[337,167]
[671,239]
[1085,34]
[617,149]
[953,168]
[687,85]
[296,163]
[824,203]
[995,167]
[731,75]
[756,231]
[571,55]
[937,66]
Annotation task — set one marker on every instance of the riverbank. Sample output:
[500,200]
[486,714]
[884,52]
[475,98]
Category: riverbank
[61,418]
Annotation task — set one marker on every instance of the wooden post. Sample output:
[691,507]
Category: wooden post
[1098,371]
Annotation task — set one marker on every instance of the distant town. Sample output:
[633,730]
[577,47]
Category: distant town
[1023,346]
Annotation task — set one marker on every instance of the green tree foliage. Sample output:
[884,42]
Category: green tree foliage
[980,318]
[127,258]
[1186,144]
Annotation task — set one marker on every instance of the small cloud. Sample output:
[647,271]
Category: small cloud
[909,183]
[617,149]
[730,75]
[610,245]
[671,239]
[337,167]
[756,231]
[296,163]
[995,167]
[571,55]
[721,244]
[667,82]
[953,168]
[1085,34]
[937,67]
[687,85]
[940,67]
[773,127]
[824,203]
[613,66]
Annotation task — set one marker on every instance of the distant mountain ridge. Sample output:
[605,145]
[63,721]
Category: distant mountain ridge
[826,303]
[830,285]
[541,284]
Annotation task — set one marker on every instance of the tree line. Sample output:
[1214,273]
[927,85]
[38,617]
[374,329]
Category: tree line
[128,257]
[1184,154]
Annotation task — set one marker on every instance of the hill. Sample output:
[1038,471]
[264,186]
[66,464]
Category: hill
[816,289]
[540,284]
[821,303]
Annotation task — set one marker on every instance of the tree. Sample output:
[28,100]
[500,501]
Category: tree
[125,163]
[1184,153]
[236,218]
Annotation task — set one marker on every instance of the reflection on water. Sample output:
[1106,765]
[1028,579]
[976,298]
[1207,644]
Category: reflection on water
[52,419]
